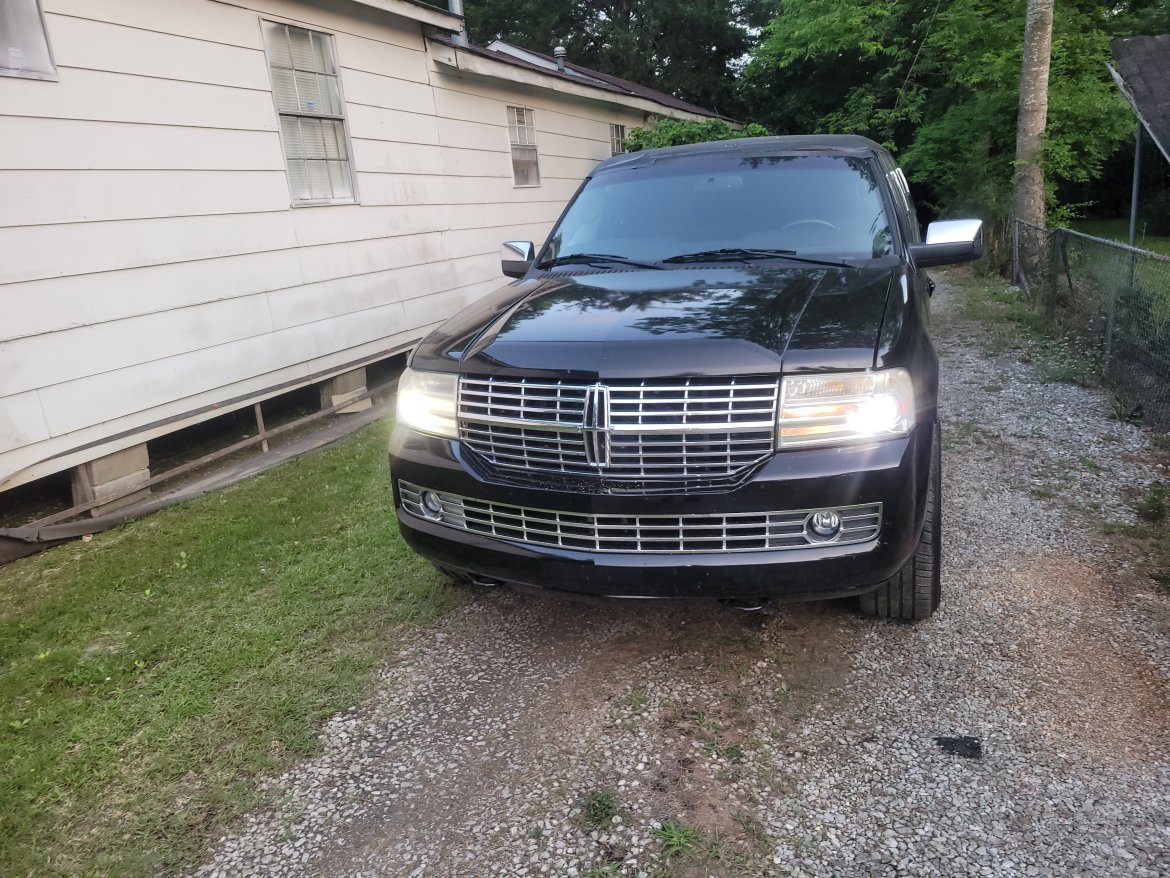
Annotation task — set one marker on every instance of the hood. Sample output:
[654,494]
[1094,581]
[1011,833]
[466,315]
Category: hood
[724,321]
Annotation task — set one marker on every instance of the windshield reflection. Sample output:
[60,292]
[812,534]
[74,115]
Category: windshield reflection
[810,205]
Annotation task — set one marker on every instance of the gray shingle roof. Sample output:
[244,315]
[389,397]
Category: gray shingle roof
[1143,74]
[586,76]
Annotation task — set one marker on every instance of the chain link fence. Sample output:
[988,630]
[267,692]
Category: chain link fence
[1113,298]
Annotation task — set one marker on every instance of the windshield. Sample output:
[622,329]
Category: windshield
[826,206]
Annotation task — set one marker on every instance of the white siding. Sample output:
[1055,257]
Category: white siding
[51,144]
[33,198]
[153,265]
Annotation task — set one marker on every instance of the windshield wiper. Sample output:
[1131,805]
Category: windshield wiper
[596,259]
[744,254]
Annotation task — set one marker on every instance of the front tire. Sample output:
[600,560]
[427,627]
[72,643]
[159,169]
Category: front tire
[913,593]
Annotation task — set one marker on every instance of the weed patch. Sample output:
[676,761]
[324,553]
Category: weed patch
[597,810]
[636,700]
[1152,505]
[1015,326]
[677,839]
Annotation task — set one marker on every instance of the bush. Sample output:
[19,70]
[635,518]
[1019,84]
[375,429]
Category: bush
[676,132]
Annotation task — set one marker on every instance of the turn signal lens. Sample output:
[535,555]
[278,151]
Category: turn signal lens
[845,407]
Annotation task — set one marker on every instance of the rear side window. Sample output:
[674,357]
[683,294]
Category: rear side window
[900,190]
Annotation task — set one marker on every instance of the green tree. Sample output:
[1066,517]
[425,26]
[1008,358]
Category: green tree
[675,132]
[691,49]
[938,82]
[1141,17]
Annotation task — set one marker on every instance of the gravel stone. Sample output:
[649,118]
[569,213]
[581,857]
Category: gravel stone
[803,739]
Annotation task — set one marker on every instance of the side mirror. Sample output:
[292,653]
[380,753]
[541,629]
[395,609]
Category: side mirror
[516,258]
[949,243]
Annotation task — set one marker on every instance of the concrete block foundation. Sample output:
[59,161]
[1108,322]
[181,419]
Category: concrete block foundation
[347,385]
[109,476]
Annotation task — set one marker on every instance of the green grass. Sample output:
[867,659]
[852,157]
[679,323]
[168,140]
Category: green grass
[598,810]
[604,870]
[1118,230]
[1152,504]
[677,839]
[1015,326]
[151,676]
[991,301]
[636,700]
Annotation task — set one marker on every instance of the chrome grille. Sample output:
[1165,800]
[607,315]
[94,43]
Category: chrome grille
[730,532]
[522,400]
[710,403]
[624,430]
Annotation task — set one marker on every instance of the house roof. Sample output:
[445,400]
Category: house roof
[1142,73]
[578,74]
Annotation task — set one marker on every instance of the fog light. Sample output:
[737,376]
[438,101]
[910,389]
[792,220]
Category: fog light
[432,506]
[823,525]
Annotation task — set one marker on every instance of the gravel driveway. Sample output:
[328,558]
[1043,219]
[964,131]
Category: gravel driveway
[530,737]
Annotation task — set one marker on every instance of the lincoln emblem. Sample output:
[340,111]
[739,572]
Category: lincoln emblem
[596,425]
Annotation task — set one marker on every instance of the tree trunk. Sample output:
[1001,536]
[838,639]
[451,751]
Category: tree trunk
[1028,202]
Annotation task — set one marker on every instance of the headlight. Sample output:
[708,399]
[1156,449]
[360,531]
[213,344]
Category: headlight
[426,402]
[846,407]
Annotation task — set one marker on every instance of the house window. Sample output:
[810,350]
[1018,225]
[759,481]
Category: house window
[617,139]
[307,93]
[522,133]
[24,42]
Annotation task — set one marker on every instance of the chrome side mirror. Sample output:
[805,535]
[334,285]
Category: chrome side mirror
[949,242]
[516,258]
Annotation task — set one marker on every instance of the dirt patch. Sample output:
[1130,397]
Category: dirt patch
[719,739]
[1102,695]
[529,708]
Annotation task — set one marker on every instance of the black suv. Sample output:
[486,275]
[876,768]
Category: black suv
[713,381]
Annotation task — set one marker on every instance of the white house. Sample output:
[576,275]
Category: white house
[205,204]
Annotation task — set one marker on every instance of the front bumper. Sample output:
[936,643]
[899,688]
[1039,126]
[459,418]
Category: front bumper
[892,473]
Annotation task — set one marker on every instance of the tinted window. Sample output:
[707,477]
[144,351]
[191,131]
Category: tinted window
[823,205]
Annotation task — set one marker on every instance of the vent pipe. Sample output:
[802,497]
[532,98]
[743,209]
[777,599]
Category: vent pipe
[455,7]
[559,53]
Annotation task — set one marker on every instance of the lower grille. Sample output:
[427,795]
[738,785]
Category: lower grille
[727,532]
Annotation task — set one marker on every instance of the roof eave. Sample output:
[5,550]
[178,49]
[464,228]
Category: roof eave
[445,55]
[416,10]
[1129,99]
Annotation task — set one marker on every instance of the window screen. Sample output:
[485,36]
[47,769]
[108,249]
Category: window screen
[522,134]
[617,139]
[307,93]
[24,44]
